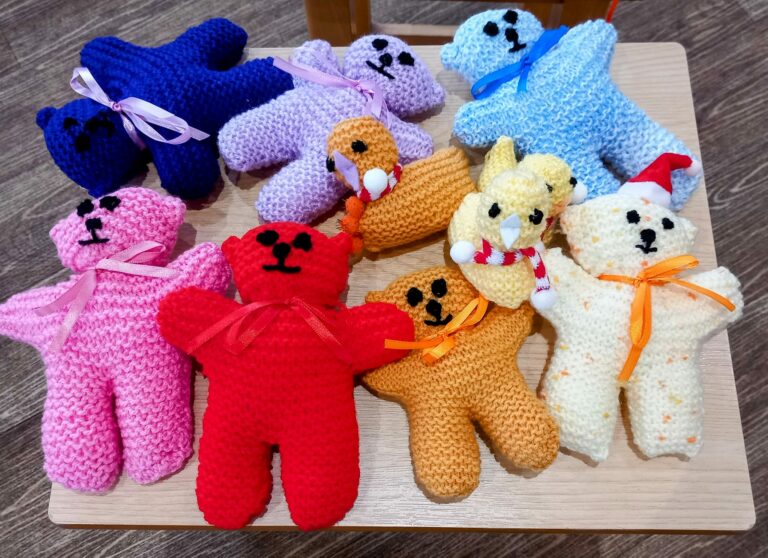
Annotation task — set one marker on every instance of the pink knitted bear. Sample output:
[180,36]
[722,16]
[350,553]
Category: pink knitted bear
[101,344]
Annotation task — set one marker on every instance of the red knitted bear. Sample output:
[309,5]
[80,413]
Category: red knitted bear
[280,369]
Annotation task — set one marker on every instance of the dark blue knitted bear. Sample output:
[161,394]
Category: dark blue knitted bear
[193,77]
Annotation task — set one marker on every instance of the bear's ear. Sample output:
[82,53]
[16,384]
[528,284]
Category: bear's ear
[375,296]
[571,214]
[44,116]
[178,208]
[344,242]
[229,246]
[448,55]
[690,230]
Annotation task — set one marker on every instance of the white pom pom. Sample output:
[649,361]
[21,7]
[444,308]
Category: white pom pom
[463,252]
[542,300]
[579,193]
[695,168]
[375,181]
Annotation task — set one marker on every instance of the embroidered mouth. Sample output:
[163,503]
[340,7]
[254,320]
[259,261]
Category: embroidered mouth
[379,69]
[439,322]
[646,248]
[281,267]
[93,240]
[517,47]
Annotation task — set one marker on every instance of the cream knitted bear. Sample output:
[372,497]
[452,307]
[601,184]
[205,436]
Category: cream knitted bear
[622,235]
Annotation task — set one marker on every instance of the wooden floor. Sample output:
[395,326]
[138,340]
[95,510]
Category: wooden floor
[39,41]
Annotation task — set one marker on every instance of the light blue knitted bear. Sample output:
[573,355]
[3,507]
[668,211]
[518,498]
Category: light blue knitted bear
[571,107]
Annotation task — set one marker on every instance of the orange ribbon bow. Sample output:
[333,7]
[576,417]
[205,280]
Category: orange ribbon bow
[438,345]
[640,314]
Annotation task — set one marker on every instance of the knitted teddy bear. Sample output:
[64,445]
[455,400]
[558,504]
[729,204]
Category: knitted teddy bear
[281,367]
[495,237]
[194,77]
[563,102]
[117,391]
[627,250]
[394,204]
[477,380]
[294,128]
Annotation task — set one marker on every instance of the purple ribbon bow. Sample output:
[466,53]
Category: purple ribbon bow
[376,104]
[137,115]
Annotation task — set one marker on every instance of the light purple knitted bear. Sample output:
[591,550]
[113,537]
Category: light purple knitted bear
[117,391]
[294,127]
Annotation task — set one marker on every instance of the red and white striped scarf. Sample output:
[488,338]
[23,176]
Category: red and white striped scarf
[393,179]
[491,256]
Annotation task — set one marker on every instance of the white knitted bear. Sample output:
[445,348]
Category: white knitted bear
[623,235]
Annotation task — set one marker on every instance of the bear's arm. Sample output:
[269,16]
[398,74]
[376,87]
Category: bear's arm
[413,143]
[367,326]
[705,312]
[512,324]
[203,266]
[480,123]
[570,282]
[395,378]
[590,43]
[19,321]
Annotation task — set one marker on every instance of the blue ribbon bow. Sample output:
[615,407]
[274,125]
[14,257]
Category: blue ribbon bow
[486,85]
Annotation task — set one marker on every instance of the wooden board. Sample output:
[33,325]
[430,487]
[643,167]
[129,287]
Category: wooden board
[627,492]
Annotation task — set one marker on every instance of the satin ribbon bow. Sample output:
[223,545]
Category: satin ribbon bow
[488,84]
[137,115]
[376,105]
[128,261]
[640,317]
[436,346]
[239,337]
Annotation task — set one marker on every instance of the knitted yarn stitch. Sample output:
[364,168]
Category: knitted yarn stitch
[290,387]
[114,352]
[194,77]
[294,128]
[477,381]
[619,234]
[422,202]
[571,108]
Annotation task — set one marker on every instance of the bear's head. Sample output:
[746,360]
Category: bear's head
[100,228]
[431,297]
[362,153]
[405,80]
[514,209]
[88,142]
[622,234]
[490,40]
[283,260]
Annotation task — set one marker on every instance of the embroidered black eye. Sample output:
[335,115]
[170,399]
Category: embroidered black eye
[633,217]
[405,58]
[303,241]
[573,181]
[439,288]
[109,202]
[93,124]
[330,164]
[69,122]
[494,211]
[85,207]
[267,238]
[667,223]
[414,296]
[510,17]
[380,44]
[359,146]
[549,188]
[82,143]
[491,29]
[536,217]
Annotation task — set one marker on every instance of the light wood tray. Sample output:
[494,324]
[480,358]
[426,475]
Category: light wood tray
[627,492]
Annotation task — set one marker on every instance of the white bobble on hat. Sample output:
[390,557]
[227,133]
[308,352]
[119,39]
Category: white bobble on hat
[654,182]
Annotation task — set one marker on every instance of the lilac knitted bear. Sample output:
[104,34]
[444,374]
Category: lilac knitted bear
[295,126]
[114,350]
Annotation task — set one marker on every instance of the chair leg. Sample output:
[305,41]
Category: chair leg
[330,20]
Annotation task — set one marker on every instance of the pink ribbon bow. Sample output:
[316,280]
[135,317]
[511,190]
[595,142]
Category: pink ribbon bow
[137,115]
[376,105]
[128,261]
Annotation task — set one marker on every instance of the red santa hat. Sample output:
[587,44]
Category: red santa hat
[654,183]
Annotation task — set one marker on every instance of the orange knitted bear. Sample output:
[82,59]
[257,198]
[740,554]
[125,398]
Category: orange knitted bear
[477,381]
[280,369]
[393,205]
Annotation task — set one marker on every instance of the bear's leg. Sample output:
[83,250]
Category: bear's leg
[666,405]
[302,191]
[80,438]
[517,423]
[589,169]
[320,457]
[446,458]
[153,406]
[259,78]
[189,170]
[234,478]
[217,43]
[584,402]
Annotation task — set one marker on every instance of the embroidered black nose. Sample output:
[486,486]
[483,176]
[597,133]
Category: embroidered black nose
[281,250]
[648,236]
[434,308]
[386,59]
[93,224]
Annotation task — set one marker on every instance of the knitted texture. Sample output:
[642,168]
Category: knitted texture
[422,202]
[516,200]
[294,128]
[194,77]
[114,354]
[619,234]
[571,108]
[289,387]
[476,382]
